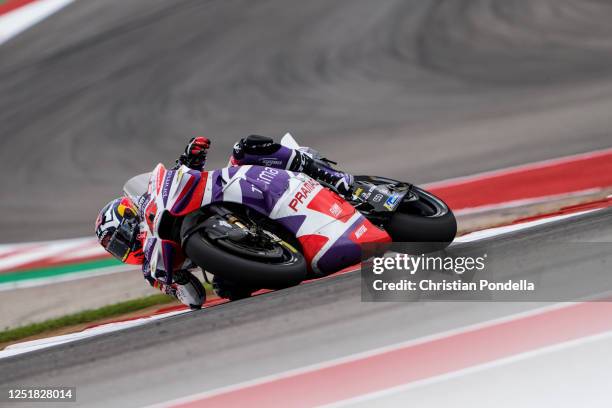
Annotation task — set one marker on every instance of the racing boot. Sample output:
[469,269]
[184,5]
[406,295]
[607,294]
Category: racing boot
[321,170]
[263,151]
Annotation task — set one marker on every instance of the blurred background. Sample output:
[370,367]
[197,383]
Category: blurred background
[421,90]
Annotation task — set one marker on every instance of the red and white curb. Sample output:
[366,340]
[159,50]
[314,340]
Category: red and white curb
[529,183]
[414,363]
[17,16]
[16,257]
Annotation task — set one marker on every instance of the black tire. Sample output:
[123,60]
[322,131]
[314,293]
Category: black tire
[229,290]
[250,273]
[423,219]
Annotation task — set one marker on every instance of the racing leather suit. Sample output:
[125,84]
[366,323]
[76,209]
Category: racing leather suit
[252,150]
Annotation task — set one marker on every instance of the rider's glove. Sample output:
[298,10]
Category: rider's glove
[195,153]
[185,287]
[188,289]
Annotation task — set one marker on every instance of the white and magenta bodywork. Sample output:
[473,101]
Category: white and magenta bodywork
[329,229]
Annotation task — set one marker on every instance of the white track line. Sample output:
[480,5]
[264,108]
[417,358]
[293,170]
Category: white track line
[47,342]
[19,20]
[506,229]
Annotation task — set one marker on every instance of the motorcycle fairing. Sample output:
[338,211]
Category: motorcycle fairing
[329,229]
[178,192]
[162,257]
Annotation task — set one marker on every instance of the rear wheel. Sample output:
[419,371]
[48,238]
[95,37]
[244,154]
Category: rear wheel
[421,217]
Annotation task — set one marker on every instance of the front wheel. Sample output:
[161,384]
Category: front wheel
[267,262]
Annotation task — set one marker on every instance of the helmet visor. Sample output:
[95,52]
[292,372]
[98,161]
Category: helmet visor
[121,242]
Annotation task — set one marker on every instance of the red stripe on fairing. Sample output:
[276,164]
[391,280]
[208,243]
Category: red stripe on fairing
[186,190]
[324,201]
[548,178]
[418,360]
[197,194]
[311,245]
[161,174]
[13,5]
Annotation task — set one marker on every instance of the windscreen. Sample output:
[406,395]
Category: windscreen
[137,185]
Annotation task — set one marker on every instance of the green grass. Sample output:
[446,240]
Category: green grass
[86,316]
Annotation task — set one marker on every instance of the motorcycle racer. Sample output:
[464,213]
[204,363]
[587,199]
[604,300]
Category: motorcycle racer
[118,226]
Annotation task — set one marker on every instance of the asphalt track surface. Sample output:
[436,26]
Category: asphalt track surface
[421,90]
[282,330]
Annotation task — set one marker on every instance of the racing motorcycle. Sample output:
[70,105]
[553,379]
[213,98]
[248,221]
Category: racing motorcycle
[270,228]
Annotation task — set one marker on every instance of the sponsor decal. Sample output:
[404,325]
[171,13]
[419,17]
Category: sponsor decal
[377,198]
[335,210]
[307,188]
[271,161]
[143,201]
[267,175]
[392,201]
[141,205]
[360,231]
[167,184]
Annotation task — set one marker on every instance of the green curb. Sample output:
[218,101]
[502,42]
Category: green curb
[57,270]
